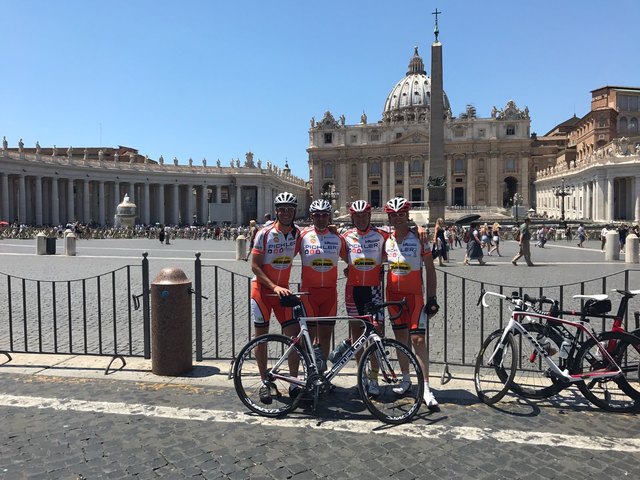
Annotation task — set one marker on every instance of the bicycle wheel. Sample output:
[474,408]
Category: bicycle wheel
[381,361]
[281,357]
[533,379]
[495,367]
[610,394]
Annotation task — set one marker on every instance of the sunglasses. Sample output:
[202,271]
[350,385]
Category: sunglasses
[286,209]
[398,214]
[320,215]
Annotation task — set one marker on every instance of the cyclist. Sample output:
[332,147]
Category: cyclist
[320,250]
[406,253]
[274,247]
[364,252]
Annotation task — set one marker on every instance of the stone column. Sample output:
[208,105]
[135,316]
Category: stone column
[238,209]
[101,203]
[492,194]
[392,178]
[525,182]
[146,205]
[71,214]
[22,200]
[38,200]
[342,186]
[55,202]
[189,219]
[5,196]
[405,180]
[385,182]
[86,204]
[160,206]
[610,214]
[364,182]
[261,212]
[175,207]
[637,197]
[218,194]
[469,194]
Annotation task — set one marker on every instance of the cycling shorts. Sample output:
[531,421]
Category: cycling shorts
[262,304]
[412,317]
[321,302]
[356,297]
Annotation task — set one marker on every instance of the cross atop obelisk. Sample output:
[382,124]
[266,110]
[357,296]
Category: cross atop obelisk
[436,30]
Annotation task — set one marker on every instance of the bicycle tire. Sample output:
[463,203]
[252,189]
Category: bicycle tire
[532,379]
[493,378]
[389,406]
[247,380]
[615,394]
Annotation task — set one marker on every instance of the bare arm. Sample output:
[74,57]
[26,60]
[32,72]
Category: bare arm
[257,260]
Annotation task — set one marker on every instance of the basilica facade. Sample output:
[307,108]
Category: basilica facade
[488,159]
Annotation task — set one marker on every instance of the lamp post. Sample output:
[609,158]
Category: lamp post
[331,194]
[517,201]
[562,191]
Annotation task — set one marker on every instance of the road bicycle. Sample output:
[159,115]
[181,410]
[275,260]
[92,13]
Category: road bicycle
[586,359]
[290,368]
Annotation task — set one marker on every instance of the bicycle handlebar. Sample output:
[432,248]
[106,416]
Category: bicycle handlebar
[526,301]
[373,308]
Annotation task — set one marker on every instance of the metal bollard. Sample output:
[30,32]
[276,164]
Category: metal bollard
[70,245]
[241,246]
[612,247]
[171,345]
[631,249]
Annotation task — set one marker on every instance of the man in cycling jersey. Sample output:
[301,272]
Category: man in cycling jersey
[364,251]
[274,247]
[406,254]
[320,250]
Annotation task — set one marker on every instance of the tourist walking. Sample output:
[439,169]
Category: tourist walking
[523,242]
[474,246]
[495,237]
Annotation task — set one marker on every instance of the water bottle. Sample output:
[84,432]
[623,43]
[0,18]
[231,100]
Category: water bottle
[321,364]
[544,342]
[565,348]
[337,352]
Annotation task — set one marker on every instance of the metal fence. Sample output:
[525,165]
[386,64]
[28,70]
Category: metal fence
[92,316]
[100,316]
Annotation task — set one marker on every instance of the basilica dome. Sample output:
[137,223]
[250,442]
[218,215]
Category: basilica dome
[410,98]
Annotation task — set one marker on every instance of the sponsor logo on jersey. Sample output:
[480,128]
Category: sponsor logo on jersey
[322,264]
[364,263]
[281,262]
[400,268]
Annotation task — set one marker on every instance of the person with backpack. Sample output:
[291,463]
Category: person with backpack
[524,237]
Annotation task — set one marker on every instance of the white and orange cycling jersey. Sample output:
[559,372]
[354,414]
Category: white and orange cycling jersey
[405,263]
[278,251]
[320,252]
[364,254]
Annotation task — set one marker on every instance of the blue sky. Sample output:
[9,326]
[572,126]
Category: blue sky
[215,79]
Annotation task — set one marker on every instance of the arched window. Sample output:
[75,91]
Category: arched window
[633,125]
[328,170]
[399,169]
[354,169]
[375,168]
[416,167]
[511,129]
[623,125]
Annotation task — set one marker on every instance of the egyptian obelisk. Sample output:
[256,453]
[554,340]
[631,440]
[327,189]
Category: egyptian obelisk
[436,182]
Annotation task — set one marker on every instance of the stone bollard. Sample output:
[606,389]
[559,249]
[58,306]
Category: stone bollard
[67,232]
[41,244]
[70,245]
[612,247]
[631,249]
[171,348]
[241,246]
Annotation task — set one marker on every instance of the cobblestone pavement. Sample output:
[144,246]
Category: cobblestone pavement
[55,427]
[74,428]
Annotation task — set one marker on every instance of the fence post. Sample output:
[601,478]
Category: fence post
[146,309]
[198,283]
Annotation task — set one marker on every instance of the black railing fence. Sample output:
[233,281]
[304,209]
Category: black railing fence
[101,315]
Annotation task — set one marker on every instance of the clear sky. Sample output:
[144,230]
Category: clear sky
[215,79]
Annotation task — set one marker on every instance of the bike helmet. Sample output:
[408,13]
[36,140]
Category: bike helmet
[285,198]
[359,206]
[397,204]
[320,206]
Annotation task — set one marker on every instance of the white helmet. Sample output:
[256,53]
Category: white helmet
[359,206]
[397,204]
[286,198]
[321,205]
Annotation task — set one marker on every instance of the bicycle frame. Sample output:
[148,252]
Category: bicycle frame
[514,324]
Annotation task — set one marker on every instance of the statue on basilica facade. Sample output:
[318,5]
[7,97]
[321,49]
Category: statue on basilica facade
[101,155]
[237,163]
[54,151]
[161,160]
[363,118]
[116,157]
[132,158]
[313,122]
[146,159]
[260,164]
[20,145]
[204,162]
[342,120]
[218,163]
[38,147]
[175,161]
[5,144]
[249,160]
[70,152]
[190,162]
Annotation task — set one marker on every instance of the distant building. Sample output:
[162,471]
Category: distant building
[598,156]
[488,159]
[49,186]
